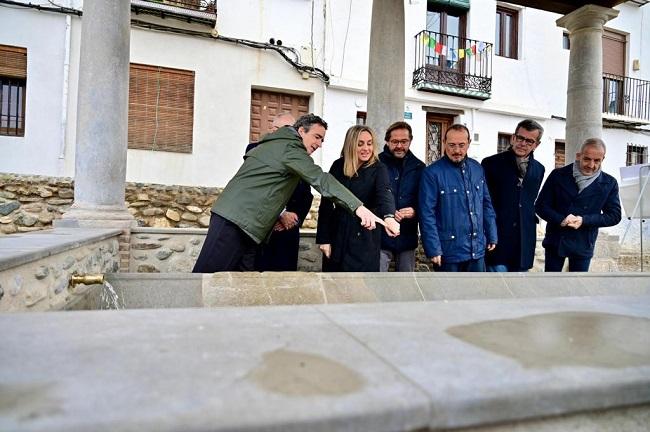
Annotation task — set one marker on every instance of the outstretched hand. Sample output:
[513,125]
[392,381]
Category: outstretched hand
[367,217]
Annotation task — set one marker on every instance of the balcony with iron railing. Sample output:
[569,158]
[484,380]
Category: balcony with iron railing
[452,65]
[626,99]
[191,10]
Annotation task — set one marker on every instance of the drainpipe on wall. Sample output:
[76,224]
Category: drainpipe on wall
[64,97]
[324,51]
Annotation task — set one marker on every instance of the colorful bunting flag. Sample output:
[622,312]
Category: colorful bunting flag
[461,53]
[481,47]
[425,39]
[473,48]
[468,52]
[439,48]
[432,42]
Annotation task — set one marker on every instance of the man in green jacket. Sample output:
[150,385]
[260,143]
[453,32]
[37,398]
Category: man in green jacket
[244,213]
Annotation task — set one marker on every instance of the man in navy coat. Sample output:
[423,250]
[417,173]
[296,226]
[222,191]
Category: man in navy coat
[575,201]
[514,178]
[404,171]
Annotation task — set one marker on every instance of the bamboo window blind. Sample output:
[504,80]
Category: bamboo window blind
[161,108]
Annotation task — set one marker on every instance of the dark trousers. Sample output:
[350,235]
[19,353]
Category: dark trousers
[475,265]
[281,252]
[226,248]
[554,262]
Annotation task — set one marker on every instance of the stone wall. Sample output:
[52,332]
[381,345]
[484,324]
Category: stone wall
[155,250]
[30,203]
[43,284]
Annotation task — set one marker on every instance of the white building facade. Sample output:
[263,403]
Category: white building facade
[206,80]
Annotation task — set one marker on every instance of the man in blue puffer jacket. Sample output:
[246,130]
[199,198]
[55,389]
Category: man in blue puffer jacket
[457,221]
[404,171]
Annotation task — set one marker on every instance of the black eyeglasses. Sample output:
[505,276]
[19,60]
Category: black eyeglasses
[528,141]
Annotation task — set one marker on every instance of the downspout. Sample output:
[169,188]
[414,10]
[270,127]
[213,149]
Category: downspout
[323,50]
[64,97]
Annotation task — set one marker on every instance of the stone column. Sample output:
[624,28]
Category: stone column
[102,119]
[585,86]
[386,65]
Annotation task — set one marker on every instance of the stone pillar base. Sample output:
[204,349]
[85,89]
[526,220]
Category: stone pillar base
[110,217]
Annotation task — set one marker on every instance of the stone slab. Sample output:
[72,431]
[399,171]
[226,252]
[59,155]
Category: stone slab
[470,385]
[164,290]
[379,367]
[17,249]
[280,368]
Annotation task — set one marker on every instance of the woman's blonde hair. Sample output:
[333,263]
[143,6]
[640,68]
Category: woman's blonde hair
[349,152]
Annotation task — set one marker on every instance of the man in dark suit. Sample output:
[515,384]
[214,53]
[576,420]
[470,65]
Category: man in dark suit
[575,201]
[514,178]
[404,171]
[281,251]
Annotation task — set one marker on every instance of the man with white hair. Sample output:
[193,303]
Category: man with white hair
[575,201]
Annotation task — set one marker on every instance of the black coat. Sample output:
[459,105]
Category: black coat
[404,176]
[280,252]
[355,248]
[514,205]
[598,204]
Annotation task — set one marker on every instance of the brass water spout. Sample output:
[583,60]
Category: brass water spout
[86,279]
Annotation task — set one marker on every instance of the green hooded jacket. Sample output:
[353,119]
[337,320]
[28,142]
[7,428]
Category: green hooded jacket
[260,190]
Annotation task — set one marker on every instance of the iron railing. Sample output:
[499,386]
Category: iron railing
[626,96]
[451,64]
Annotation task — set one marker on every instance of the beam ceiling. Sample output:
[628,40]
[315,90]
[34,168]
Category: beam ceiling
[564,7]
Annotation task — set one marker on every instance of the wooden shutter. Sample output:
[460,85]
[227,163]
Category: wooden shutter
[613,53]
[560,156]
[13,61]
[265,105]
[161,108]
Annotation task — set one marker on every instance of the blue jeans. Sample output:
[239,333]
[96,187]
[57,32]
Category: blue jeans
[475,265]
[502,268]
[555,262]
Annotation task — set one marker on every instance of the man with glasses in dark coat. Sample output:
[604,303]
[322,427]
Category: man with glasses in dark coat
[404,171]
[514,178]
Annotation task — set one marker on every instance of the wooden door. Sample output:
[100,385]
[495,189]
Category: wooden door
[437,125]
[265,105]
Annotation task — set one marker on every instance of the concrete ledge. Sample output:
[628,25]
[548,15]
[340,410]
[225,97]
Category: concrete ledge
[18,249]
[169,290]
[365,367]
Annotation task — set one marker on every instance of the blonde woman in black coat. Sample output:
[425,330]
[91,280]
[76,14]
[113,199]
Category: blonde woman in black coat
[346,246]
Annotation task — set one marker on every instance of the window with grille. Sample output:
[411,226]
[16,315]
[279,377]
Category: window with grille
[505,42]
[560,158]
[503,142]
[161,108]
[13,84]
[566,41]
[636,155]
